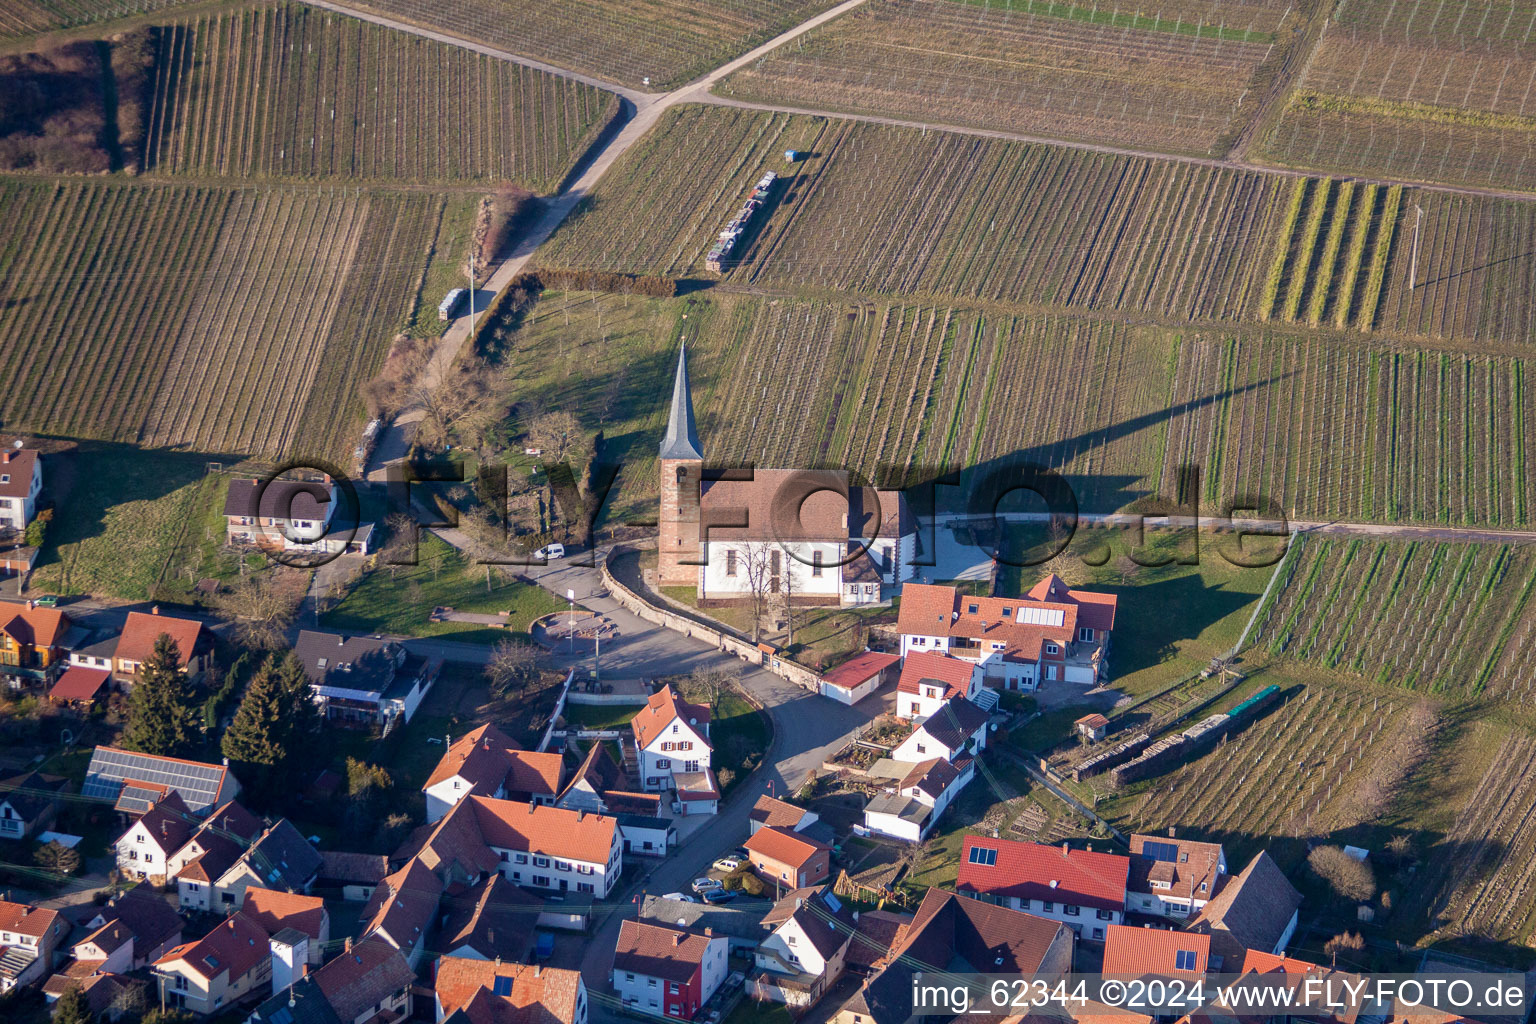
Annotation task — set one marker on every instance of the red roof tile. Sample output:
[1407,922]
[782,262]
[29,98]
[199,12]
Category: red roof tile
[236,945]
[1054,873]
[479,757]
[1144,951]
[654,951]
[459,979]
[40,627]
[275,910]
[777,813]
[142,630]
[25,919]
[789,848]
[16,467]
[859,669]
[929,667]
[79,683]
[661,710]
[550,831]
[538,774]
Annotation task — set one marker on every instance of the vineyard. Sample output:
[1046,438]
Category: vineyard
[289,91]
[1418,89]
[1349,603]
[19,18]
[1296,772]
[1170,81]
[667,41]
[226,320]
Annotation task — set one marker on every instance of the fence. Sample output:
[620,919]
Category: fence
[559,709]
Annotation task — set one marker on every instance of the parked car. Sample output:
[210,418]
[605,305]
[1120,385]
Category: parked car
[704,885]
[543,945]
[719,896]
[727,864]
[550,551]
[681,897]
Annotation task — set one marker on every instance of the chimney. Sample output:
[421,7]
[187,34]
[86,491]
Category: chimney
[487,742]
[6,457]
[29,604]
[709,933]
[538,969]
[1065,849]
[154,609]
[678,937]
[581,812]
[347,946]
[304,969]
[1170,832]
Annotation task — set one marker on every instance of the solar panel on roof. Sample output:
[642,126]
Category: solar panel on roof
[282,1016]
[1161,851]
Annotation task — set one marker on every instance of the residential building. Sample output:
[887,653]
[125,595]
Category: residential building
[145,850]
[1310,978]
[963,936]
[487,992]
[805,953]
[132,930]
[860,676]
[877,932]
[29,937]
[809,533]
[354,875]
[32,651]
[920,798]
[28,804]
[105,992]
[533,778]
[364,681]
[1051,633]
[1257,909]
[789,859]
[672,745]
[665,971]
[135,782]
[212,850]
[929,680]
[533,845]
[779,814]
[1080,888]
[477,762]
[404,908]
[646,837]
[598,773]
[1149,952]
[132,647]
[740,922]
[489,921]
[954,728]
[276,910]
[21,481]
[1173,877]
[368,983]
[293,515]
[218,970]
[279,858]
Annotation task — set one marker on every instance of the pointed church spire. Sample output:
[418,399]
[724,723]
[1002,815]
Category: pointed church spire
[682,438]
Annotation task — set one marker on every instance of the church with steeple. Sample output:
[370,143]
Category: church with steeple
[806,534]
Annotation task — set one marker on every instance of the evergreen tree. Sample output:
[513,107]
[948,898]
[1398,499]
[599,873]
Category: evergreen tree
[275,726]
[162,715]
[71,1007]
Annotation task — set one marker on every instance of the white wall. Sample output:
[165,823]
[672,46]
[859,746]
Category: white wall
[715,967]
[891,825]
[442,797]
[854,695]
[653,776]
[1086,922]
[600,876]
[806,583]
[644,993]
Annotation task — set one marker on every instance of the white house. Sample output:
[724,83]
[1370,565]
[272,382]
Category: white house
[543,847]
[672,742]
[930,679]
[808,535]
[920,799]
[364,681]
[21,480]
[771,812]
[1173,877]
[957,727]
[805,953]
[1256,910]
[1083,889]
[666,972]
[1051,633]
[145,850]
[211,851]
[484,762]
[28,938]
[293,515]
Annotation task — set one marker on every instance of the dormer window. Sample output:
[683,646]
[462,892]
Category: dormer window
[1052,649]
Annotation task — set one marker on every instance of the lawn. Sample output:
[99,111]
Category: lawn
[599,716]
[400,599]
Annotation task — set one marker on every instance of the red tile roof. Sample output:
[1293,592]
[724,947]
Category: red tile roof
[236,946]
[17,467]
[932,668]
[39,627]
[142,630]
[538,774]
[275,910]
[25,919]
[1093,721]
[355,982]
[931,610]
[79,683]
[774,812]
[859,669]
[549,831]
[654,951]
[404,905]
[1144,951]
[479,757]
[1053,873]
[788,848]
[661,710]
[1193,865]
[459,979]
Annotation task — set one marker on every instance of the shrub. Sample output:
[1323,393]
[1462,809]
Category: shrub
[1350,878]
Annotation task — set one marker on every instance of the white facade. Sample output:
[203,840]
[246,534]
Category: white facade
[139,853]
[992,667]
[1088,922]
[680,748]
[807,569]
[921,746]
[16,513]
[287,962]
[650,994]
[850,695]
[933,696]
[647,840]
[538,871]
[788,944]
[442,797]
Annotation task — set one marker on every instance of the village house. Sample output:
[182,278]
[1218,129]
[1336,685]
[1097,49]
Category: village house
[489,920]
[21,481]
[532,845]
[596,776]
[369,982]
[365,681]
[1173,877]
[133,930]
[860,676]
[279,858]
[740,922]
[790,860]
[124,654]
[485,762]
[645,836]
[966,937]
[779,814]
[145,850]
[32,651]
[1051,633]
[28,804]
[929,680]
[29,937]
[1256,909]
[666,972]
[218,970]
[212,850]
[807,535]
[135,782]
[1080,888]
[919,799]
[486,992]
[403,909]
[357,875]
[805,953]
[293,515]
[276,911]
[672,745]
[956,727]
[1155,952]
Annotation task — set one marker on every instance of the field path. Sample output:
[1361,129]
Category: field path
[1322,528]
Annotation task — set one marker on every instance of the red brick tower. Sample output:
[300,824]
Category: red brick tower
[682,463]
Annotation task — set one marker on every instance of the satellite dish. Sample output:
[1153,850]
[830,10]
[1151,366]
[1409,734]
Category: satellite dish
[66,738]
[17,443]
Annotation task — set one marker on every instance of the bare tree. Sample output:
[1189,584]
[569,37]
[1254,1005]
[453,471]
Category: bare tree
[263,605]
[560,437]
[513,666]
[709,681]
[757,564]
[786,599]
[401,547]
[1352,879]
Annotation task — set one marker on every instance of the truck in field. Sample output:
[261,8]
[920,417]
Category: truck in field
[449,307]
[720,253]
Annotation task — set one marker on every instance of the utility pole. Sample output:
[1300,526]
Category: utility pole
[1413,272]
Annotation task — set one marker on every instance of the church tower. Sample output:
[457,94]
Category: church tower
[682,464]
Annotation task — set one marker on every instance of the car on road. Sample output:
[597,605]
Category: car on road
[681,897]
[727,864]
[550,551]
[705,884]
[719,896]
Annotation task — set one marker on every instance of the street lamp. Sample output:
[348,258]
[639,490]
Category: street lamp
[570,595]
